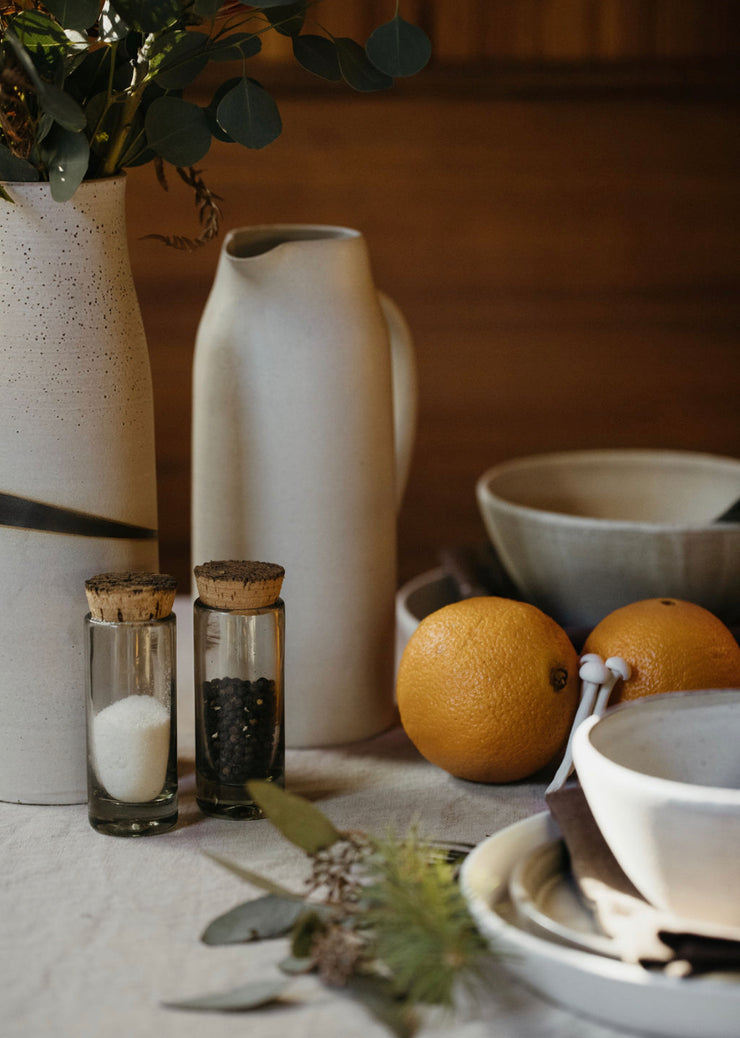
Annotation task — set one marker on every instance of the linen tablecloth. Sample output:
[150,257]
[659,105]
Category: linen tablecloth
[96,932]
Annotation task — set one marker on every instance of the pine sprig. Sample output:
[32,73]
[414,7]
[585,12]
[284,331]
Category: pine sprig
[419,925]
[384,920]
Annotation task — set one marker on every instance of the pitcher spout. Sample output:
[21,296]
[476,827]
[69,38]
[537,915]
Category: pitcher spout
[251,242]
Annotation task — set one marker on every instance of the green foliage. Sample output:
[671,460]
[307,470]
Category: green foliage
[392,931]
[297,819]
[254,995]
[420,925]
[89,87]
[263,917]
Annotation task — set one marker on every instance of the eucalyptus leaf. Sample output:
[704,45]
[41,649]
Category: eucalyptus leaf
[179,58]
[287,19]
[177,131]
[13,168]
[248,996]
[61,107]
[66,155]
[148,16]
[317,54]
[46,125]
[234,47]
[40,45]
[111,26]
[249,115]
[308,924]
[399,48]
[298,819]
[260,919]
[357,69]
[261,882]
[74,14]
[206,8]
[36,29]
[216,129]
[294,965]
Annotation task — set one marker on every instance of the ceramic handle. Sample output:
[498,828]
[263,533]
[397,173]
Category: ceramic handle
[403,365]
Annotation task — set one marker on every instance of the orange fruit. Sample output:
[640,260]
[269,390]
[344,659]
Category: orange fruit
[487,689]
[671,646]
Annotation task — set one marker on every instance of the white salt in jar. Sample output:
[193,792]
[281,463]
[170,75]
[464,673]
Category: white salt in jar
[130,641]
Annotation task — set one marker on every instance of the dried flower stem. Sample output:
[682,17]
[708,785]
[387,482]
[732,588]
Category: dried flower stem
[209,212]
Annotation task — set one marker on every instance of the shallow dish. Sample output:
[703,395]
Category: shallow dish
[546,900]
[615,993]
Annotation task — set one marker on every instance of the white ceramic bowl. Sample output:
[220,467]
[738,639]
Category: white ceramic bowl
[418,598]
[662,778]
[584,532]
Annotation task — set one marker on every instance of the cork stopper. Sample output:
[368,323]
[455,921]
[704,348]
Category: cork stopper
[239,585]
[126,597]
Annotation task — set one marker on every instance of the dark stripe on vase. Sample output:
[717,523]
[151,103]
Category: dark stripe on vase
[25,514]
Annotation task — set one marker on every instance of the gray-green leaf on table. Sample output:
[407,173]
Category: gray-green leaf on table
[298,819]
[296,965]
[259,919]
[246,996]
[261,882]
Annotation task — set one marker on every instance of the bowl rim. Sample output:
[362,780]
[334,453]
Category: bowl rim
[672,789]
[487,496]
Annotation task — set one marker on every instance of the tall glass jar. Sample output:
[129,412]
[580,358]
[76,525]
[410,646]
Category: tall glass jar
[130,645]
[239,632]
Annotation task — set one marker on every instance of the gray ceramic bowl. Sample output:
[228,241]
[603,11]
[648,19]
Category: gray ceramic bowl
[583,532]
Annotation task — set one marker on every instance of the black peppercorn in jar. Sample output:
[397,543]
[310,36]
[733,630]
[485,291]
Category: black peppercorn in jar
[239,626]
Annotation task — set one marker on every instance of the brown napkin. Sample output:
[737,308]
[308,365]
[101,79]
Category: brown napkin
[641,933]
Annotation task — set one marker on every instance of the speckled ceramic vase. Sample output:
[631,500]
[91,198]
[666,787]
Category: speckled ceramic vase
[77,466]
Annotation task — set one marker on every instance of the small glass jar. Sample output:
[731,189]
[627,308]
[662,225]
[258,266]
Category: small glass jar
[130,646]
[239,631]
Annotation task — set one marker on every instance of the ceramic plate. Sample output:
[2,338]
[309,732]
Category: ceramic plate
[546,900]
[615,993]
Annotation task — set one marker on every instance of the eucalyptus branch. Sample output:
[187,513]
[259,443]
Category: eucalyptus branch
[133,95]
[72,119]
[393,928]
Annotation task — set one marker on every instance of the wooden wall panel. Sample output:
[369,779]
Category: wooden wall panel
[569,266]
[546,30]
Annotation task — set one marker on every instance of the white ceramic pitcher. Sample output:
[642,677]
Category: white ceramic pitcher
[304,413]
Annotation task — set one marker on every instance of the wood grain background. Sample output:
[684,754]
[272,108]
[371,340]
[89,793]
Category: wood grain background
[554,205]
